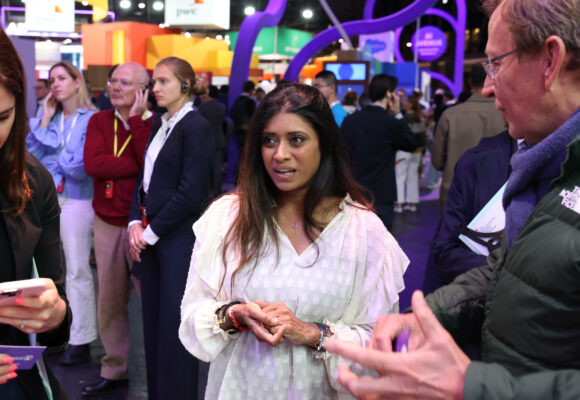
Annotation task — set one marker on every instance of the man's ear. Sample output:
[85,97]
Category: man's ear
[554,53]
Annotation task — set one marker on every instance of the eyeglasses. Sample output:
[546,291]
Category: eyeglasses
[318,86]
[491,67]
[124,84]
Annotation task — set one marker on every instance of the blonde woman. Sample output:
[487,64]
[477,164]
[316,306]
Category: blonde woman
[57,139]
[171,193]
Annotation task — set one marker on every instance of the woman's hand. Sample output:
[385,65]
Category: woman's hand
[36,314]
[140,104]
[48,109]
[7,368]
[136,241]
[252,316]
[298,332]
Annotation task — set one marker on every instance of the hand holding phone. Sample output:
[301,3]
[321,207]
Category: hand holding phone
[32,305]
[48,109]
[9,291]
[140,104]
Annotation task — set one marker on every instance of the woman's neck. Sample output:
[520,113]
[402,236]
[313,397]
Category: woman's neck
[173,108]
[69,106]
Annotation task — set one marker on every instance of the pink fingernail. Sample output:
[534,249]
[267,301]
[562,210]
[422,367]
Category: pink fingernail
[11,375]
[19,300]
[7,360]
[13,367]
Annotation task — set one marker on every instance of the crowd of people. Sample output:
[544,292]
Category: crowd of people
[279,269]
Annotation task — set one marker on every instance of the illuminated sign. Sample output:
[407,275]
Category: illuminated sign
[51,15]
[22,29]
[431,43]
[213,14]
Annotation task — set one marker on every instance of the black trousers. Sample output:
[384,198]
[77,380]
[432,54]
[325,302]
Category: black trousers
[171,370]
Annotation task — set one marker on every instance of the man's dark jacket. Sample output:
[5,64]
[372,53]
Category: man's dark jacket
[373,138]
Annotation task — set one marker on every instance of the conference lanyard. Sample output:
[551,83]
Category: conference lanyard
[115,152]
[72,125]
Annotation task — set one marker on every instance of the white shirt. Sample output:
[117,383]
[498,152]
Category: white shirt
[158,141]
[354,278]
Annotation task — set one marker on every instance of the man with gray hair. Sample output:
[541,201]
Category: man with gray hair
[114,155]
[524,309]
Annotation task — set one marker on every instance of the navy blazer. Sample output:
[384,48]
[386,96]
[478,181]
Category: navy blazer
[36,233]
[373,138]
[479,174]
[179,188]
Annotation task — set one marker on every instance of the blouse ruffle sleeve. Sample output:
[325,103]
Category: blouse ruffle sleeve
[199,331]
[378,284]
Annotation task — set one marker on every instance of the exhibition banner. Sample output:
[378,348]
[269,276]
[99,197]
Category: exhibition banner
[50,15]
[211,14]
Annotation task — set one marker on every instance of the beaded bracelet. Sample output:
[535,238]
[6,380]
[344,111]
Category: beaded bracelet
[233,318]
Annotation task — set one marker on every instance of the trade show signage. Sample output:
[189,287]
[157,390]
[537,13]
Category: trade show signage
[379,45]
[431,43]
[275,40]
[50,15]
[213,14]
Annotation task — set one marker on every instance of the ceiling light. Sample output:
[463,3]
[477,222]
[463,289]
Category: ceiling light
[66,41]
[219,37]
[141,5]
[409,44]
[187,35]
[158,6]
[307,13]
[249,10]
[125,4]
[85,3]
[445,1]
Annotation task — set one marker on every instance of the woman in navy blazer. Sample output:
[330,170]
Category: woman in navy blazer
[171,193]
[29,229]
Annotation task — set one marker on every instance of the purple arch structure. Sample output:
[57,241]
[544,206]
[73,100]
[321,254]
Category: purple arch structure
[458,25]
[353,28]
[249,31]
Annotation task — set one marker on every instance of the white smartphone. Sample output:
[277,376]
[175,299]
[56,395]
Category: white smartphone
[25,288]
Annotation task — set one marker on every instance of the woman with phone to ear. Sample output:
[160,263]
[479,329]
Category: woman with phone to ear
[171,193]
[57,139]
[29,228]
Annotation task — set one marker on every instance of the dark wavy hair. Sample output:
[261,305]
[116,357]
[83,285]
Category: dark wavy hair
[13,179]
[257,193]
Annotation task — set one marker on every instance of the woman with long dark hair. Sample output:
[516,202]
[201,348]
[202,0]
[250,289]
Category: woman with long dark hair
[29,230]
[294,256]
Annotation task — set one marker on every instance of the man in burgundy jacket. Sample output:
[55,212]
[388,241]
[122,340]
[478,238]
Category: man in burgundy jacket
[114,155]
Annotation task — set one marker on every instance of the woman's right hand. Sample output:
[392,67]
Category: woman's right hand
[136,241]
[7,368]
[251,315]
[48,109]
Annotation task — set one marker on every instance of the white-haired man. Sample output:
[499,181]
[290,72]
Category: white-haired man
[114,155]
[525,308]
